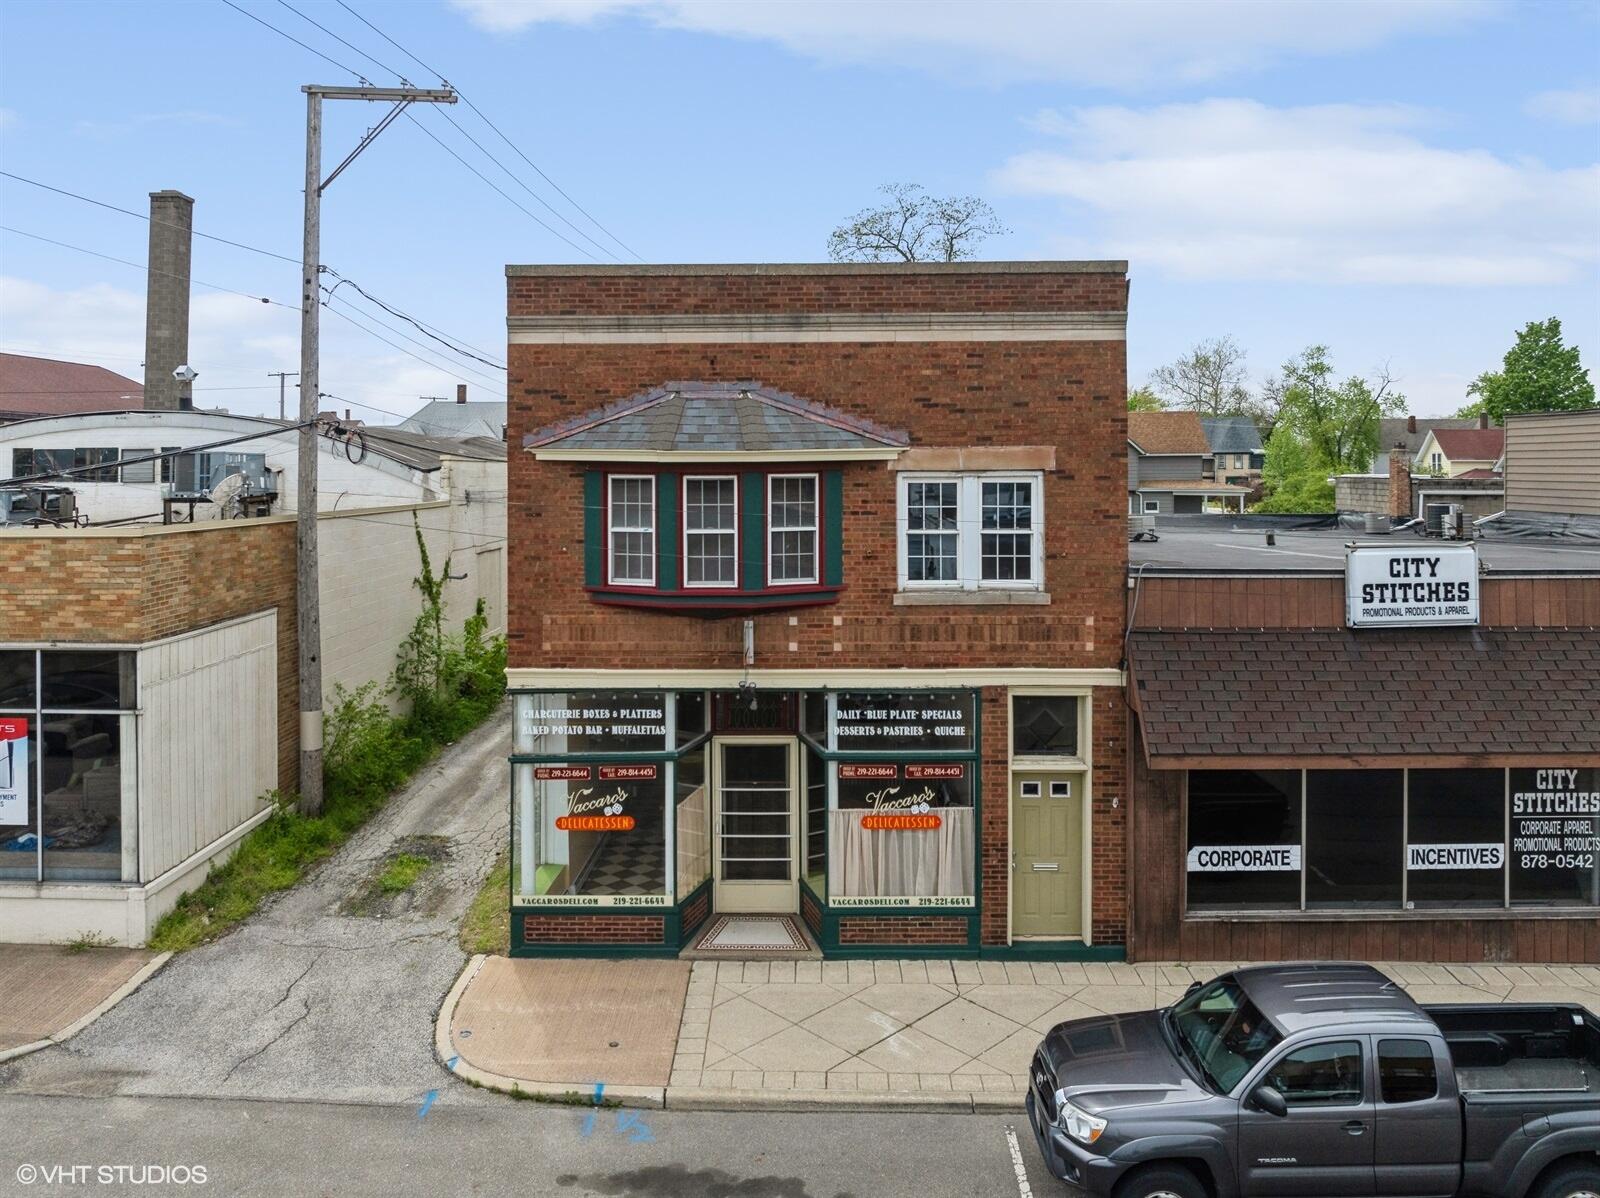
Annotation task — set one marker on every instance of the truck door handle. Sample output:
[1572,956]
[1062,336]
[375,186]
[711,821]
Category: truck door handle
[1355,1127]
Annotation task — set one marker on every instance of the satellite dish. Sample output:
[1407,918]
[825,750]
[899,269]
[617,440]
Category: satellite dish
[226,496]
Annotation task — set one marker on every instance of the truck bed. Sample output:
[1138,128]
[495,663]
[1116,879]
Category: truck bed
[1524,1048]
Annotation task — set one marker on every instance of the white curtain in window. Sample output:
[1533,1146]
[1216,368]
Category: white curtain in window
[923,864]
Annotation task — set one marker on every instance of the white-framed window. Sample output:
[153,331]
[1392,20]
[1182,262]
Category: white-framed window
[1152,506]
[791,529]
[1437,461]
[710,531]
[971,531]
[632,522]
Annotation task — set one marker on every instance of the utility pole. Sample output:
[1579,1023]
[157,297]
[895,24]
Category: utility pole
[280,375]
[307,587]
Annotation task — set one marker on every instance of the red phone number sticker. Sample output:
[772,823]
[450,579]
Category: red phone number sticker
[627,773]
[936,771]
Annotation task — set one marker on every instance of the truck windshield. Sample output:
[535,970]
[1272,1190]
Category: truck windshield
[1221,1032]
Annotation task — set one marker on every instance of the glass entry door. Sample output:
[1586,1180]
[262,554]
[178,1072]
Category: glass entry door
[756,870]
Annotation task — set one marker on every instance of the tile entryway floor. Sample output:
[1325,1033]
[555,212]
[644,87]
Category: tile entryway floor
[966,1027]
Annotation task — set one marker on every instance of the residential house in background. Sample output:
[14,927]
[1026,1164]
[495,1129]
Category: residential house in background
[462,418]
[1171,466]
[32,386]
[1236,451]
[1407,433]
[1459,452]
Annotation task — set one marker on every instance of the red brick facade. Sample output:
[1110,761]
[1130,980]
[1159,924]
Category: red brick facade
[593,929]
[1052,394]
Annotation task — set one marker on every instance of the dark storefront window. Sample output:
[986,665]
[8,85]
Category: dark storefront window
[1555,836]
[1244,839]
[692,721]
[890,721]
[816,821]
[61,784]
[1456,838]
[1355,837]
[592,722]
[692,800]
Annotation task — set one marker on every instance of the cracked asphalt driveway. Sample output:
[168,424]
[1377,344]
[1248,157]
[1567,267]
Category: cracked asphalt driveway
[305,1001]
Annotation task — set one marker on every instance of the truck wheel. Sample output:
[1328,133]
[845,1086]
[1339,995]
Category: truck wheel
[1161,1181]
[1570,1181]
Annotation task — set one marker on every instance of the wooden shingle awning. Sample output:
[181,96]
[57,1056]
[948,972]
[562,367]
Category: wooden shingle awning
[1337,698]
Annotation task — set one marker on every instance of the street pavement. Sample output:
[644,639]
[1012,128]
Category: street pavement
[311,999]
[285,1149]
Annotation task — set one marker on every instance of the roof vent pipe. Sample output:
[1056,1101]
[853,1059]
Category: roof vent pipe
[461,393]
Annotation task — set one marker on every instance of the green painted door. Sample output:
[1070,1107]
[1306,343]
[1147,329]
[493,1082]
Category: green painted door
[1047,853]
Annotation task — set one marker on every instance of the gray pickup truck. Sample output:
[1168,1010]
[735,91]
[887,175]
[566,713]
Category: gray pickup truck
[1318,1081]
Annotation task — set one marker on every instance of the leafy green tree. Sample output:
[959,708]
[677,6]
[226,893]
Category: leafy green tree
[1142,399]
[1325,426]
[1294,476]
[1538,374]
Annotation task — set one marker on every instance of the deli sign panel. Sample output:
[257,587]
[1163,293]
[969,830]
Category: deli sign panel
[1397,586]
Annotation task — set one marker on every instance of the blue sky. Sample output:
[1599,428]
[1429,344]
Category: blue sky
[1407,183]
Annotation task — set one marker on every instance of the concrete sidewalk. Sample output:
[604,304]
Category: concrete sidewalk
[908,1035]
[49,993]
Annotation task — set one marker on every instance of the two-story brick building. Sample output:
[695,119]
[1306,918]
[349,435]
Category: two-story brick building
[816,605]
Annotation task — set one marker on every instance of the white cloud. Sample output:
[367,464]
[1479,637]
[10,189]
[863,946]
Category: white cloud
[133,121]
[1568,106]
[233,342]
[1334,193]
[1110,42]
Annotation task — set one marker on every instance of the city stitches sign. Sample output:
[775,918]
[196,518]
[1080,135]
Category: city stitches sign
[1391,586]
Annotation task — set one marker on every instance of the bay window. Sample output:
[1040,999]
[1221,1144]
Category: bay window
[710,532]
[791,528]
[632,516]
[971,532]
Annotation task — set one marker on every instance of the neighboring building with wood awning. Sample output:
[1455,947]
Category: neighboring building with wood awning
[1377,750]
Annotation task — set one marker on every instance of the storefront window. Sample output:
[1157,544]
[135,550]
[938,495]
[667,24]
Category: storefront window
[692,799]
[901,831]
[1555,836]
[1244,839]
[1455,838]
[1355,837]
[885,721]
[689,709]
[816,822]
[61,784]
[591,722]
[591,835]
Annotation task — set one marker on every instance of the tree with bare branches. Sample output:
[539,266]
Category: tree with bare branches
[915,227]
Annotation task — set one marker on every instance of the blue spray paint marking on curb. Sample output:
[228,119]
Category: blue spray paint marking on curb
[433,1096]
[451,1064]
[599,1092]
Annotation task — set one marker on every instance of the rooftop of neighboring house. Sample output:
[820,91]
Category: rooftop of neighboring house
[1167,433]
[1231,434]
[31,386]
[1216,545]
[458,418]
[1409,432]
[1470,444]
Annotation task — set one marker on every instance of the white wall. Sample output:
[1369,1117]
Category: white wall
[341,484]
[208,736]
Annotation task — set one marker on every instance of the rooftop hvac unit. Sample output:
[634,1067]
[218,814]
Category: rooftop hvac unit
[1433,515]
[1453,526]
[196,475]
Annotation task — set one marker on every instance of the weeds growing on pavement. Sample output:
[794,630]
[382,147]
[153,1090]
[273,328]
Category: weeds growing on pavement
[402,872]
[449,683]
[486,927]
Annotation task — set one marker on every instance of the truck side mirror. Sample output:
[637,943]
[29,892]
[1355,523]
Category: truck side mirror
[1193,986]
[1265,1098]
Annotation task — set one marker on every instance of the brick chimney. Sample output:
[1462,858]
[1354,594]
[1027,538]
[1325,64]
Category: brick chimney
[1411,424]
[1483,420]
[166,313]
[1399,481]
[461,393]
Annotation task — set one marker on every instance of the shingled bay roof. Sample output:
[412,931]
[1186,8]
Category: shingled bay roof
[691,417]
[1281,696]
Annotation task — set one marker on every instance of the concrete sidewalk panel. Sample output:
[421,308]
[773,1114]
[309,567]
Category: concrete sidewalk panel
[50,993]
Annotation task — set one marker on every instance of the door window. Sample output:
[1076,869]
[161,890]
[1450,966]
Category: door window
[1406,1072]
[756,832]
[1320,1075]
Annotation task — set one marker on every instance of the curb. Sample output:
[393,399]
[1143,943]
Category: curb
[567,1093]
[143,975]
[698,1098]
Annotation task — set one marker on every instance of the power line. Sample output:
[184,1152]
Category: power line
[476,375]
[296,41]
[401,348]
[141,266]
[485,119]
[438,335]
[145,217]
